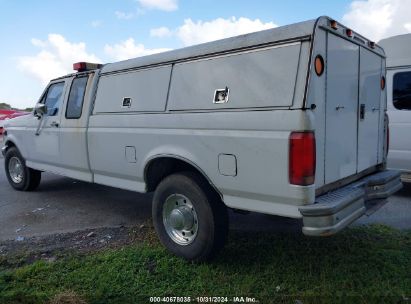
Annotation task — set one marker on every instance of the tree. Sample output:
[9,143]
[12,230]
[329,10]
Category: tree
[4,106]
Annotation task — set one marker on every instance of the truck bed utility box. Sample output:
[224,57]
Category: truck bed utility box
[288,121]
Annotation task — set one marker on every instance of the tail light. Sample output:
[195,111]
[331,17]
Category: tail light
[302,158]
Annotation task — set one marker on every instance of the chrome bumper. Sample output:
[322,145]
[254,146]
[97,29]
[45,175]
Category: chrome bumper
[337,209]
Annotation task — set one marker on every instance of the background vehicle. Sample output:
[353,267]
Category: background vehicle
[398,51]
[8,114]
[288,121]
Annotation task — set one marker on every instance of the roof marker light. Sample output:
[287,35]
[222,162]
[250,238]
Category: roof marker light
[334,24]
[86,66]
[371,44]
[348,32]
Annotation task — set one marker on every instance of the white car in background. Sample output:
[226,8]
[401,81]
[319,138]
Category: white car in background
[9,114]
[2,119]
[398,52]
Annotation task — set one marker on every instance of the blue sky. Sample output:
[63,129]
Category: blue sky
[41,38]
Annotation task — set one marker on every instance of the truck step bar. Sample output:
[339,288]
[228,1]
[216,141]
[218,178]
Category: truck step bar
[335,210]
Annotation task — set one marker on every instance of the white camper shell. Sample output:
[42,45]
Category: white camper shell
[288,121]
[398,50]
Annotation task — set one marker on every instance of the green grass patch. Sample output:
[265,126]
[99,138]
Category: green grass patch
[361,265]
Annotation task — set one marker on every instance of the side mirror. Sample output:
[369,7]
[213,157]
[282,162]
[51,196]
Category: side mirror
[40,109]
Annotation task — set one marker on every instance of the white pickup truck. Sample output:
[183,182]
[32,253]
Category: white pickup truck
[288,121]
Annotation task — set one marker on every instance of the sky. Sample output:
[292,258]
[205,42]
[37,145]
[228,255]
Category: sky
[40,40]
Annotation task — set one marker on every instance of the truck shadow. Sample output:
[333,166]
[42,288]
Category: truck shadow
[405,191]
[108,202]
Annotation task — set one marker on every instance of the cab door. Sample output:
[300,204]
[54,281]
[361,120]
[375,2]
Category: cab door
[43,134]
[73,128]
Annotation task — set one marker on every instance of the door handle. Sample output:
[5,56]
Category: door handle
[54,124]
[362,111]
[339,107]
[375,109]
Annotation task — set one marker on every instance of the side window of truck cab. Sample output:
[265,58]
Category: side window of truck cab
[76,97]
[53,99]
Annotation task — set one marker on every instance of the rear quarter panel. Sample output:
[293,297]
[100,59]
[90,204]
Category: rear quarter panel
[258,140]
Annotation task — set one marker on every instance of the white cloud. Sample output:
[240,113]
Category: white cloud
[129,49]
[96,23]
[56,58]
[377,19]
[164,5]
[161,32]
[203,31]
[38,43]
[123,15]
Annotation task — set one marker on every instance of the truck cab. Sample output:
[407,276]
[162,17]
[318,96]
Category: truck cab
[53,137]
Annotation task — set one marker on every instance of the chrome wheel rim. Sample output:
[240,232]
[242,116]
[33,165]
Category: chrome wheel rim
[16,170]
[180,219]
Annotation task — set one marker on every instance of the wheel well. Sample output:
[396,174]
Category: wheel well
[162,167]
[10,144]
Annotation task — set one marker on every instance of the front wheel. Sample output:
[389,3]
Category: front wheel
[18,174]
[189,217]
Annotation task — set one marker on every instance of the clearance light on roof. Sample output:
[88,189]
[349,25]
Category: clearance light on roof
[86,66]
[371,44]
[334,24]
[348,32]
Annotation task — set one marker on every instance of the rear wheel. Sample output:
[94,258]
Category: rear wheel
[189,217]
[18,174]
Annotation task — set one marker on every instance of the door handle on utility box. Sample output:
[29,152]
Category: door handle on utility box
[362,111]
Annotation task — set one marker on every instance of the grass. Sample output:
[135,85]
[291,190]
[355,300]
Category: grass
[370,264]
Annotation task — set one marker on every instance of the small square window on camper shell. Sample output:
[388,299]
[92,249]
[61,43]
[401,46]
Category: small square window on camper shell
[401,94]
[76,98]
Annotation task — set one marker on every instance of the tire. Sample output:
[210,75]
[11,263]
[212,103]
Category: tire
[209,218]
[28,179]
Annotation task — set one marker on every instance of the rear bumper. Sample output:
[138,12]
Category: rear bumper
[337,209]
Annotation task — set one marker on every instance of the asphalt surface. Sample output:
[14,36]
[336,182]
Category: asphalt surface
[65,205]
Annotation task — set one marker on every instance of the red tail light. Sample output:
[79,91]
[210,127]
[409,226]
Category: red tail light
[302,158]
